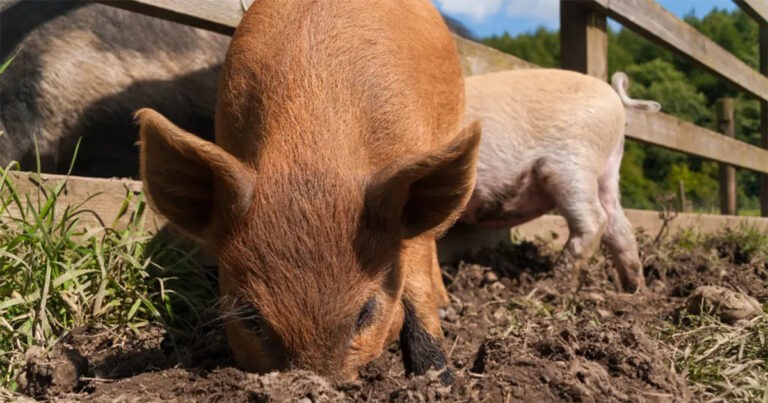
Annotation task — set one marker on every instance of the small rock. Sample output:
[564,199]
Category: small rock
[490,277]
[657,286]
[497,286]
[604,313]
[474,273]
[729,306]
[594,297]
[507,282]
[500,313]
[448,314]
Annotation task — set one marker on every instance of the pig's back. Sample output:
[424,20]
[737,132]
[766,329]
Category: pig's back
[533,113]
[536,116]
[352,75]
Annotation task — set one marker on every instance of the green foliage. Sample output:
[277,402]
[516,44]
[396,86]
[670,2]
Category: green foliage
[541,47]
[722,362]
[701,186]
[660,80]
[648,172]
[734,31]
[635,186]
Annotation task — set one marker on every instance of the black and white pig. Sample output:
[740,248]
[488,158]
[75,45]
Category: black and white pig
[82,69]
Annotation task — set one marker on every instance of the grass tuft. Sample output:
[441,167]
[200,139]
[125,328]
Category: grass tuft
[57,276]
[721,362]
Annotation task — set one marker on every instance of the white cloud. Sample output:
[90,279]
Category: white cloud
[546,11]
[478,10]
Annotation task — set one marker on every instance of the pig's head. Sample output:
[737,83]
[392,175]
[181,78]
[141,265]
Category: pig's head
[312,257]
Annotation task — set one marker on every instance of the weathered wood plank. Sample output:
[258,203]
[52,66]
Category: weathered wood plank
[670,132]
[222,16]
[102,198]
[649,19]
[658,129]
[480,59]
[108,195]
[643,15]
[758,9]
[583,39]
[462,239]
[764,117]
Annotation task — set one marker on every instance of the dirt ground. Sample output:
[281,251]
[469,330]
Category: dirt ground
[515,331]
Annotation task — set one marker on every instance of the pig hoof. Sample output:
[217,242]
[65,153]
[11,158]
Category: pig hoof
[421,351]
[635,285]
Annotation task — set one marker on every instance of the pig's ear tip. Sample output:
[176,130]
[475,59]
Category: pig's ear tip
[474,127]
[471,133]
[145,114]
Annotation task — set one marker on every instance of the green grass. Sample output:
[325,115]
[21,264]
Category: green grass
[721,362]
[55,275]
[7,62]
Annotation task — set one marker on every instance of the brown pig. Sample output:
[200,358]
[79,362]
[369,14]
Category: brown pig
[553,139]
[338,159]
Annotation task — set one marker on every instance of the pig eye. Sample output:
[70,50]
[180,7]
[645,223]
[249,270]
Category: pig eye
[251,318]
[365,315]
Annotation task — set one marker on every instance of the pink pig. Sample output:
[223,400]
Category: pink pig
[553,139]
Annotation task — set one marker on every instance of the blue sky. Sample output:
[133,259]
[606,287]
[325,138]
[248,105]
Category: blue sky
[488,17]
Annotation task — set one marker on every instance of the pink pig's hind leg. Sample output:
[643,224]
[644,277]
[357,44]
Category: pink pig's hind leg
[619,236]
[575,191]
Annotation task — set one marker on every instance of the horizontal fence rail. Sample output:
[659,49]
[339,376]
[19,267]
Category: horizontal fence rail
[220,16]
[648,18]
[676,134]
[758,9]
[113,202]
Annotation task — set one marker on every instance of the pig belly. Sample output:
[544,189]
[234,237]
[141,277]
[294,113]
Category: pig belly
[513,205]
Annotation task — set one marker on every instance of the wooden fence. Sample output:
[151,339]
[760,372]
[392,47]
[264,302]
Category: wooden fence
[584,44]
[584,48]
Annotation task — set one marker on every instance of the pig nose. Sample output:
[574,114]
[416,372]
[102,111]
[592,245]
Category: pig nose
[323,366]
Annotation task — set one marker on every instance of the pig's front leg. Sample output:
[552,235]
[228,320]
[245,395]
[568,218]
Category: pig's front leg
[422,350]
[421,337]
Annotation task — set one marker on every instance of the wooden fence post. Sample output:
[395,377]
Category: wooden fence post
[583,39]
[764,116]
[682,201]
[725,125]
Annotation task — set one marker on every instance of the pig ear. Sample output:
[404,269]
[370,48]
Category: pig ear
[427,192]
[192,182]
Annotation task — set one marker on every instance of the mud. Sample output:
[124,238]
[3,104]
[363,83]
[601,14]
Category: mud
[516,330]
